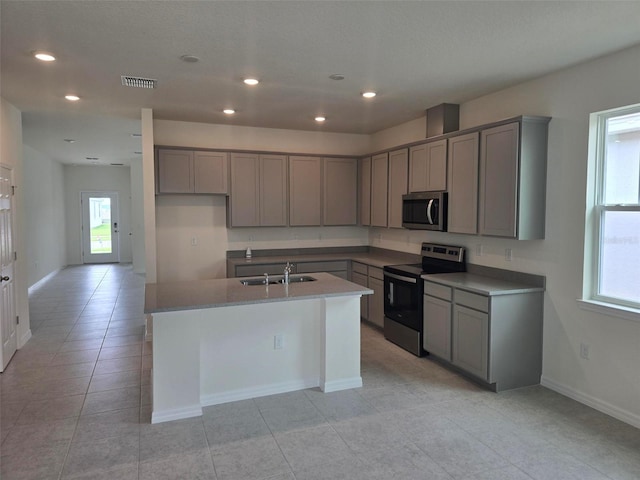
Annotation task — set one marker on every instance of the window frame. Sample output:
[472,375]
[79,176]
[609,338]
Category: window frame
[600,208]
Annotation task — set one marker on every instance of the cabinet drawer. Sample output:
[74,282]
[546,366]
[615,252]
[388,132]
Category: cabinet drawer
[257,270]
[361,268]
[310,267]
[359,278]
[376,272]
[472,300]
[437,290]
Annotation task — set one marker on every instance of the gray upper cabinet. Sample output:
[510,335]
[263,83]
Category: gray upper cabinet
[463,183]
[305,194]
[192,171]
[364,179]
[379,189]
[513,160]
[210,172]
[398,184]
[340,191]
[258,190]
[428,167]
[273,190]
[174,171]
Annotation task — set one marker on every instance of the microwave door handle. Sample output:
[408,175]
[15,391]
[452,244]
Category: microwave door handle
[429,218]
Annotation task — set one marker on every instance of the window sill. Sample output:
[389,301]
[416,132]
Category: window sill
[628,313]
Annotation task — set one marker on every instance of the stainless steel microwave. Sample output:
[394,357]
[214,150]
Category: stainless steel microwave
[425,211]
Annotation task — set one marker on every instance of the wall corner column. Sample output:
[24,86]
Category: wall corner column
[149,195]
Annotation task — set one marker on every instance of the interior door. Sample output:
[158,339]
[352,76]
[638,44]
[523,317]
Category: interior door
[100,227]
[8,319]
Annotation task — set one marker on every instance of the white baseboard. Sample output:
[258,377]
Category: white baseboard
[343,384]
[43,280]
[593,402]
[176,414]
[262,391]
[24,339]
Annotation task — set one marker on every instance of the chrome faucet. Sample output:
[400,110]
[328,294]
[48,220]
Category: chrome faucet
[287,271]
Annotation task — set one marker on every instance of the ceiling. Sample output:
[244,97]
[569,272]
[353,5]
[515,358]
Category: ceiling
[414,54]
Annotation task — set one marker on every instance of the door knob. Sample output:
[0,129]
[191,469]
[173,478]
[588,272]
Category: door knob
[4,279]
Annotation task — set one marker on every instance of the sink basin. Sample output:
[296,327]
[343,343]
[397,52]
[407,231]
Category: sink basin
[257,281]
[298,279]
[278,279]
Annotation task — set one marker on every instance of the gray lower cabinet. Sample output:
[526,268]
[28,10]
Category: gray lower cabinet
[496,339]
[359,275]
[339,268]
[376,302]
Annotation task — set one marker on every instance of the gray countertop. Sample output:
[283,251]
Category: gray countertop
[199,294]
[481,284]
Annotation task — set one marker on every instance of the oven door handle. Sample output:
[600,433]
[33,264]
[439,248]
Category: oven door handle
[401,278]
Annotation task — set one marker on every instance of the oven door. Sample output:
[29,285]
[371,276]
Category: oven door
[403,299]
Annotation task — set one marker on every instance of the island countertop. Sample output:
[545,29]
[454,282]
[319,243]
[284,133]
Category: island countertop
[224,292]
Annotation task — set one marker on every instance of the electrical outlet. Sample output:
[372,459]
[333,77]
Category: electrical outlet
[508,254]
[479,249]
[584,351]
[278,341]
[194,241]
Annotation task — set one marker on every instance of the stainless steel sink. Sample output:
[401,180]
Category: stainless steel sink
[298,279]
[257,281]
[276,280]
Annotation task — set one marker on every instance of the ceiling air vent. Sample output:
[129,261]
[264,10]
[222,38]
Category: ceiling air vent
[138,82]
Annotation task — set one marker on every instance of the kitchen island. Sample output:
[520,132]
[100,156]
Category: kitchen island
[217,341]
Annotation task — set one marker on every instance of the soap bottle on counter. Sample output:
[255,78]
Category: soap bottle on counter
[248,253]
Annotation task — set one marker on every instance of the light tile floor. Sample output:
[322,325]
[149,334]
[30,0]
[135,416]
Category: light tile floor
[75,404]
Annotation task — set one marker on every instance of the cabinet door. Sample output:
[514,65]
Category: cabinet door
[499,180]
[379,190]
[463,183]
[340,191]
[175,171]
[398,178]
[471,341]
[305,191]
[437,327]
[437,165]
[273,190]
[376,302]
[361,279]
[365,191]
[418,168]
[245,190]
[210,172]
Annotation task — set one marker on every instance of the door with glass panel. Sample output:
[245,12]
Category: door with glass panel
[100,227]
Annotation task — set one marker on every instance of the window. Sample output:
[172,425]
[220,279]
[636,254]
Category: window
[617,208]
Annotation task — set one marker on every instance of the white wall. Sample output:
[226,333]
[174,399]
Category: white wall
[11,154]
[44,215]
[609,380]
[137,217]
[180,218]
[96,179]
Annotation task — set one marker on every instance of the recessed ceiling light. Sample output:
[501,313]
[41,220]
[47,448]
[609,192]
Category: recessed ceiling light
[251,81]
[320,119]
[44,56]
[229,111]
[72,98]
[189,58]
[69,140]
[336,76]
[369,94]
